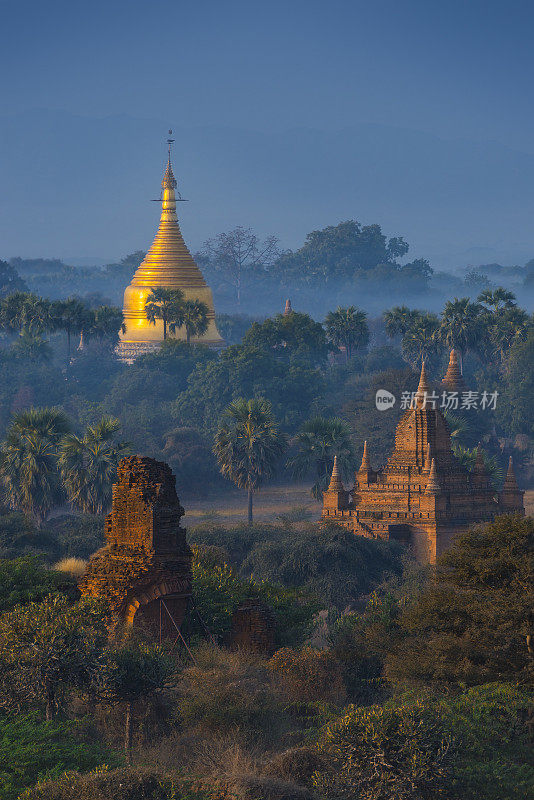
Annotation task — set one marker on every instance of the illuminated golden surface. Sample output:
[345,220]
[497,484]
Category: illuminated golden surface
[168,264]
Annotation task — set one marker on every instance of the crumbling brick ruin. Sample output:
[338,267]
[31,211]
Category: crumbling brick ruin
[144,570]
[423,496]
[253,628]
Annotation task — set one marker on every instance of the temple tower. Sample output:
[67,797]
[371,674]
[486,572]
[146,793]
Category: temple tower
[168,264]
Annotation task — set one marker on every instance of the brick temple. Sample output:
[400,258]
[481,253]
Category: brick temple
[423,496]
[144,570]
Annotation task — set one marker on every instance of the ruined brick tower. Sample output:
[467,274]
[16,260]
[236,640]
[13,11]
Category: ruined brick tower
[423,496]
[144,570]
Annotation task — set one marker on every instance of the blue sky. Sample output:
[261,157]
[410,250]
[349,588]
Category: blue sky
[456,70]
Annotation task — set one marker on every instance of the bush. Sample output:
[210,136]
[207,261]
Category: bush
[218,591]
[471,746]
[298,765]
[26,580]
[31,750]
[122,784]
[326,560]
[307,675]
[225,692]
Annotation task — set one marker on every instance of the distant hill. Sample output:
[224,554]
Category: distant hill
[79,188]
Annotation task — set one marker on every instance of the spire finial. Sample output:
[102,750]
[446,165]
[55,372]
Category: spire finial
[336,484]
[510,482]
[453,380]
[288,309]
[423,389]
[366,462]
[169,181]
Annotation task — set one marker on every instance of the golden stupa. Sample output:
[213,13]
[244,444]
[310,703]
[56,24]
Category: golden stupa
[170,265]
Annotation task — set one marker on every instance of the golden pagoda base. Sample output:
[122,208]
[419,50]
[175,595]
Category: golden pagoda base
[127,352]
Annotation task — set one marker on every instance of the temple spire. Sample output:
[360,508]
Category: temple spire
[453,380]
[336,484]
[433,486]
[510,482]
[288,309]
[366,462]
[423,390]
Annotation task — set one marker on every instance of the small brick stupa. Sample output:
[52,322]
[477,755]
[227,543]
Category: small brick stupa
[144,570]
[423,496]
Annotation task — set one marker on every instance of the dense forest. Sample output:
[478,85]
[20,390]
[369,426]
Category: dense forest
[389,679]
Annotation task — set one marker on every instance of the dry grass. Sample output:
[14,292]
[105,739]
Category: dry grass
[72,566]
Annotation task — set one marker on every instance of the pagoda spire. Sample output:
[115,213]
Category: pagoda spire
[288,309]
[433,486]
[423,390]
[453,380]
[510,482]
[336,484]
[366,462]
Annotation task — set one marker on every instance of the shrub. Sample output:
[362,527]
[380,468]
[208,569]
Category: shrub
[298,764]
[471,746]
[26,580]
[122,784]
[227,692]
[307,675]
[31,749]
[218,591]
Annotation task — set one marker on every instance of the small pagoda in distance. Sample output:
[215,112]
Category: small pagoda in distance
[423,496]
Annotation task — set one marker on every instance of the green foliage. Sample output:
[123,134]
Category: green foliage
[165,305]
[218,591]
[470,625]
[116,784]
[515,409]
[28,460]
[47,648]
[135,671]
[88,465]
[314,448]
[25,580]
[32,750]
[10,280]
[248,445]
[347,327]
[474,745]
[293,335]
[327,561]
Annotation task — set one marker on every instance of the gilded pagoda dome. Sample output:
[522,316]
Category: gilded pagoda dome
[169,265]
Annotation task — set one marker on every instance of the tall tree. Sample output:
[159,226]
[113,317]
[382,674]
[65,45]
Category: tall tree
[238,254]
[248,445]
[10,280]
[399,319]
[105,323]
[49,647]
[166,305]
[70,316]
[497,298]
[24,311]
[420,341]
[347,327]
[194,318]
[88,465]
[459,327]
[28,460]
[316,444]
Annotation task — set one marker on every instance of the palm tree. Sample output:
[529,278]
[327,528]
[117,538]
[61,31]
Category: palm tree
[24,311]
[28,460]
[459,325]
[347,327]
[317,442]
[70,316]
[105,323]
[32,347]
[164,304]
[399,319]
[88,465]
[194,317]
[248,445]
[497,298]
[420,340]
